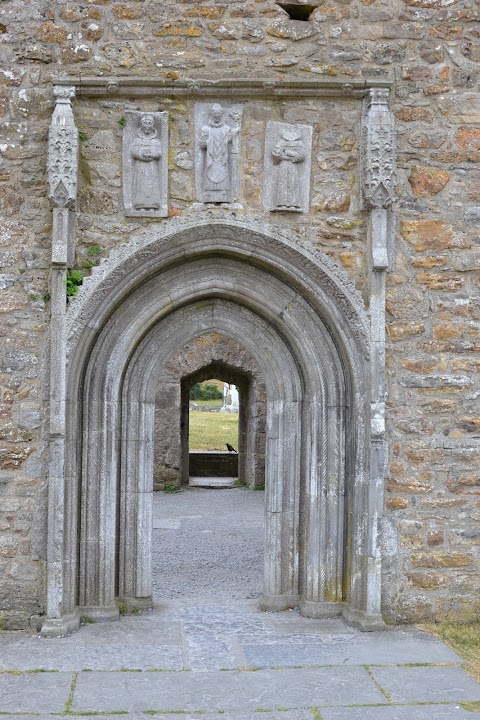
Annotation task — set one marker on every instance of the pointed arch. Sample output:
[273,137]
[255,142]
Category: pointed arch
[305,326]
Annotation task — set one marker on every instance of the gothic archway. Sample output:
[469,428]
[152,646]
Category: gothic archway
[298,316]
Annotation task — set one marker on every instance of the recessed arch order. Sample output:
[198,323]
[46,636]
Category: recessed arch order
[304,324]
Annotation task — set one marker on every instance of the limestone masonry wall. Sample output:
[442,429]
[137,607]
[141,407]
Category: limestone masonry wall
[430,51]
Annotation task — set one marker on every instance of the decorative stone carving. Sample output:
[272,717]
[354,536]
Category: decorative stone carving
[62,175]
[63,150]
[217,147]
[145,164]
[287,164]
[378,151]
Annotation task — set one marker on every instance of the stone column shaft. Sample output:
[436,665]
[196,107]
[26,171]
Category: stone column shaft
[62,175]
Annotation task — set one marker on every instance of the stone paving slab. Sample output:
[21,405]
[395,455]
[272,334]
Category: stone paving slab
[381,649]
[424,712]
[231,690]
[34,692]
[104,657]
[426,684]
[274,715]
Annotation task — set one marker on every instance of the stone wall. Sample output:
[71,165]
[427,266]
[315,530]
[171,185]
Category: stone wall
[428,49]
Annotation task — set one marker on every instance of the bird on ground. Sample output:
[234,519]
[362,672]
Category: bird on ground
[230,448]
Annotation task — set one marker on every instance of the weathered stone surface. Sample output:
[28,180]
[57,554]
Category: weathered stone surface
[432,235]
[426,182]
[429,684]
[426,581]
[441,281]
[441,559]
[197,53]
[292,29]
[288,151]
[228,691]
[400,330]
[145,164]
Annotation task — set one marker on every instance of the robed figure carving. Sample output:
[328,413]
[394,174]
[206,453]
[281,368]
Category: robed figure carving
[146,152]
[145,164]
[217,152]
[287,154]
[287,164]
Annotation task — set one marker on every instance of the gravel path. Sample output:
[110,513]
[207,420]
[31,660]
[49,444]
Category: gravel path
[208,544]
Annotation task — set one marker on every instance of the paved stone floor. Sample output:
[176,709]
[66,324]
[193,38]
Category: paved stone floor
[235,662]
[209,657]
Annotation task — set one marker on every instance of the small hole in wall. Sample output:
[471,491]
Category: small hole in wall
[298,10]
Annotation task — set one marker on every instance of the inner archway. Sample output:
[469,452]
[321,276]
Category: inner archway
[298,317]
[203,357]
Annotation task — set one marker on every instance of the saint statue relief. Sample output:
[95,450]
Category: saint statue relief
[288,153]
[146,151]
[218,142]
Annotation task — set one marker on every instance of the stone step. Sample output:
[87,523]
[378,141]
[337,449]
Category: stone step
[212,482]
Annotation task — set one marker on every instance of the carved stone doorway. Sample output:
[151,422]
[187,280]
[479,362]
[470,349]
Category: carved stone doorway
[306,328]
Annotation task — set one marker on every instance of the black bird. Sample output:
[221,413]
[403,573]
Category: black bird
[230,448]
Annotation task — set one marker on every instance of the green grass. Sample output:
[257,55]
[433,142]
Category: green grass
[210,431]
[210,403]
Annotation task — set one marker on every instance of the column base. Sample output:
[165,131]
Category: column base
[319,610]
[278,603]
[367,622]
[98,613]
[60,627]
[128,604]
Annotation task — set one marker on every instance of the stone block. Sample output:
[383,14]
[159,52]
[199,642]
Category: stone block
[52,33]
[441,281]
[178,28]
[427,182]
[128,12]
[432,235]
[413,114]
[420,365]
[426,581]
[400,330]
[441,559]
[292,29]
[396,503]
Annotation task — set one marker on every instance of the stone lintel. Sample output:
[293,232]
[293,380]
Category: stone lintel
[231,87]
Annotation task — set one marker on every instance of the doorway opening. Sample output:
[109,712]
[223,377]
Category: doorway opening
[209,537]
[305,330]
[212,430]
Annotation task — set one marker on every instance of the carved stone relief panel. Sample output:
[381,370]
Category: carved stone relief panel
[217,140]
[145,164]
[63,150]
[287,165]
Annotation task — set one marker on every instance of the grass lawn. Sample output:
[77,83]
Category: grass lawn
[210,431]
[464,639]
[211,403]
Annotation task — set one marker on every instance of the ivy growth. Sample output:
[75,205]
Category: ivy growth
[73,281]
[122,121]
